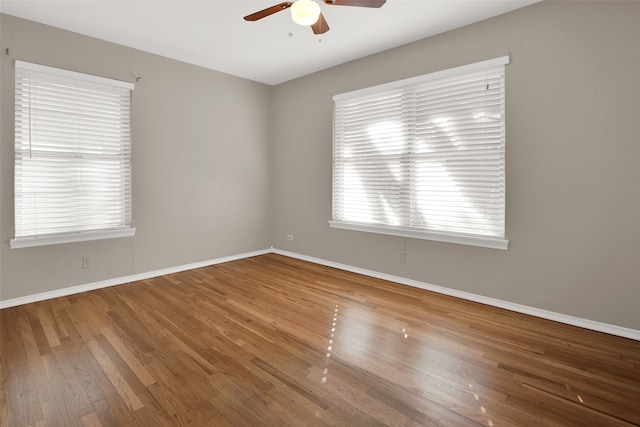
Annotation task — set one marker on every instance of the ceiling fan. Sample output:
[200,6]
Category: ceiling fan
[307,12]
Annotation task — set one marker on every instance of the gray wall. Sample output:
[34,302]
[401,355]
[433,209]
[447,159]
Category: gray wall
[573,146]
[213,177]
[200,164]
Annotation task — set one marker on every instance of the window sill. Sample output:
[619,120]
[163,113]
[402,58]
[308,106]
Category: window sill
[485,242]
[56,239]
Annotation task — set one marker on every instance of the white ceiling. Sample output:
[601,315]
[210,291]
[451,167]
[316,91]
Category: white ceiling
[212,33]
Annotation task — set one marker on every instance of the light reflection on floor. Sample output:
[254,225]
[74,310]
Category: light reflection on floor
[327,358]
[334,323]
[359,325]
[483,410]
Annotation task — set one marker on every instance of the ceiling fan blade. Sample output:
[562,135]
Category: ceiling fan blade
[321,26]
[358,3]
[268,11]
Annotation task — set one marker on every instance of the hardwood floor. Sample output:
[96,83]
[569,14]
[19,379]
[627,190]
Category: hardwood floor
[273,341]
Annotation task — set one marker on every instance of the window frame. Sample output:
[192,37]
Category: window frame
[23,170]
[405,87]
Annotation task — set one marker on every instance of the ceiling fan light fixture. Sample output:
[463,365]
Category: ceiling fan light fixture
[305,12]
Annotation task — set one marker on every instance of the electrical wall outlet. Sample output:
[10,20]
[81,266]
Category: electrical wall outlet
[86,262]
[403,256]
[289,236]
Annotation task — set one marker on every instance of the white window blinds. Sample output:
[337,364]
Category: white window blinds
[72,156]
[424,157]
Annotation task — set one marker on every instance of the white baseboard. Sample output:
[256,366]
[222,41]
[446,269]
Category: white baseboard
[544,314]
[122,280]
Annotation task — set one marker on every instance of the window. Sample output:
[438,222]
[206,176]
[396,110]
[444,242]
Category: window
[72,157]
[424,157]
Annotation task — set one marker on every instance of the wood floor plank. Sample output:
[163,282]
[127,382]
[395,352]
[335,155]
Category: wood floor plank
[104,412]
[49,326]
[128,356]
[91,420]
[70,400]
[4,416]
[276,341]
[55,414]
[73,371]
[119,383]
